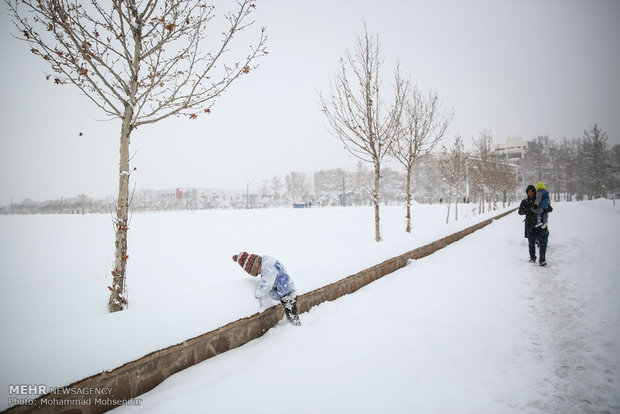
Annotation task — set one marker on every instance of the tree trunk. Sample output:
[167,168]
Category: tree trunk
[118,294]
[118,298]
[408,229]
[456,208]
[449,201]
[375,199]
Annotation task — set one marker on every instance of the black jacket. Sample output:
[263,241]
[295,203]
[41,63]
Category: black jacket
[528,209]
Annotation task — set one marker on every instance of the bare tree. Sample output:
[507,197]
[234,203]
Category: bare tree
[538,160]
[422,126]
[297,186]
[140,62]
[596,163]
[566,156]
[276,189]
[356,113]
[482,164]
[452,169]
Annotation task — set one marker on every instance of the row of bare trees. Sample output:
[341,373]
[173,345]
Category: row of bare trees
[409,126]
[583,167]
[482,171]
[453,170]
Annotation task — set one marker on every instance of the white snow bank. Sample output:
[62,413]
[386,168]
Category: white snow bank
[181,278]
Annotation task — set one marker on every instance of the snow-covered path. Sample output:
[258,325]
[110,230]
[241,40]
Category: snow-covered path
[473,328]
[577,310]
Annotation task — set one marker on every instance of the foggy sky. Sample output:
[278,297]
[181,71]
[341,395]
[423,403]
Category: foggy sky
[518,68]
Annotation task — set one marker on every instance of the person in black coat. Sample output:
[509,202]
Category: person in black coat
[535,235]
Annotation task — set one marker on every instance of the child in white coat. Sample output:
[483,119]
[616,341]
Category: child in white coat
[275,281]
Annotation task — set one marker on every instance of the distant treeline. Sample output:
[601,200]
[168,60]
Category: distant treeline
[579,168]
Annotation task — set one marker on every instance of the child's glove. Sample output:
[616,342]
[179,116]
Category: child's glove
[264,302]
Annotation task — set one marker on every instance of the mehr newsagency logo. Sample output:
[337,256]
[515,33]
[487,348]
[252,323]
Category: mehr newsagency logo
[27,394]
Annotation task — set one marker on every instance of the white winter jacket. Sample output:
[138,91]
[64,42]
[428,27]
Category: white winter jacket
[275,280]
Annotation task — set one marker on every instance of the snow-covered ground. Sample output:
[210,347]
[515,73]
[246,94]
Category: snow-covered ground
[472,328]
[182,281]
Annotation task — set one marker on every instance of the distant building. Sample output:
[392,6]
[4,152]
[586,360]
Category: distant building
[329,180]
[513,150]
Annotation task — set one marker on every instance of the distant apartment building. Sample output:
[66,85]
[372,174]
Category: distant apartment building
[330,180]
[513,150]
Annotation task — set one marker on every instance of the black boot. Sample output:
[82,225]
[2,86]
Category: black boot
[290,309]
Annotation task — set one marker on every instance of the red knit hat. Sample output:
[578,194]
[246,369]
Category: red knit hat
[249,262]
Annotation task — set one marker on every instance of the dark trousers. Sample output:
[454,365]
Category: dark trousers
[289,303]
[536,234]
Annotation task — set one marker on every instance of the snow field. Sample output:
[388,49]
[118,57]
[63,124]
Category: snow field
[181,277]
[471,328]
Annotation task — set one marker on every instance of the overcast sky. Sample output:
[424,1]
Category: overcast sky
[519,68]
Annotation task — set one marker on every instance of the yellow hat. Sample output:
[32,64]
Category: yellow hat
[540,185]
